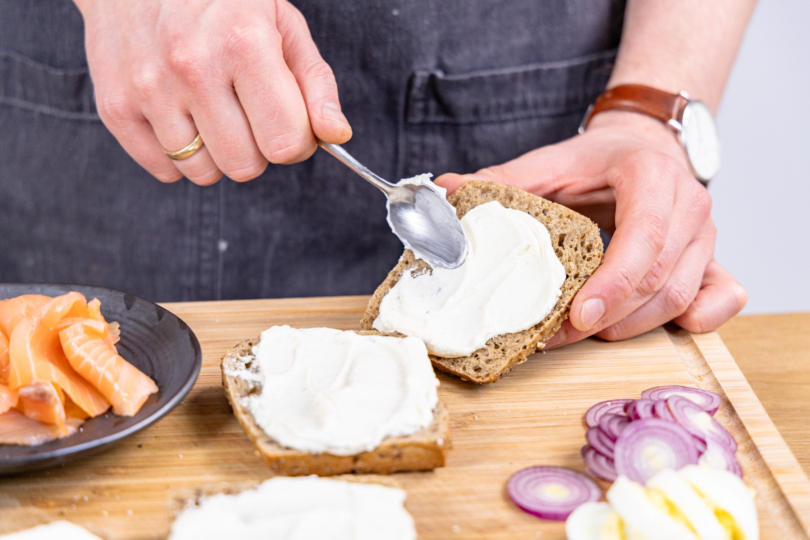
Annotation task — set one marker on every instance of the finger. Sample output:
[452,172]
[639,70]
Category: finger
[452,181]
[720,298]
[226,131]
[314,76]
[644,202]
[673,299]
[136,136]
[270,96]
[175,130]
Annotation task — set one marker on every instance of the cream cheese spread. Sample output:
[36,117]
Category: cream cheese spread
[326,390]
[300,508]
[509,282]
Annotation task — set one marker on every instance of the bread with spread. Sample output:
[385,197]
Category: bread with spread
[311,407]
[510,265]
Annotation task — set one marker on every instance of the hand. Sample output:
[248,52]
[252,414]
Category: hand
[629,174]
[246,76]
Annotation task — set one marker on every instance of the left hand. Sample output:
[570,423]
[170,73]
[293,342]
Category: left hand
[629,174]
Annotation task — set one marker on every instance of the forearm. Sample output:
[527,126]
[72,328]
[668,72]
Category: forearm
[679,45]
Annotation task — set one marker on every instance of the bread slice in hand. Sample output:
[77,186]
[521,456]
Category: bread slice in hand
[419,451]
[577,244]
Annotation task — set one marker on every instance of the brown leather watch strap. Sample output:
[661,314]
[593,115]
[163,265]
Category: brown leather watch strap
[641,99]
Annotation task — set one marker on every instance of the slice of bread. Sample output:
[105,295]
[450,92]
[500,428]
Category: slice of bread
[577,244]
[185,497]
[420,451]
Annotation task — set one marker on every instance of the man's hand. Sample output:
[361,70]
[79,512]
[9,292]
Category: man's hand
[628,173]
[246,76]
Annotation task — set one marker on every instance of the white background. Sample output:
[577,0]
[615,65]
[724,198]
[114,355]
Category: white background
[762,193]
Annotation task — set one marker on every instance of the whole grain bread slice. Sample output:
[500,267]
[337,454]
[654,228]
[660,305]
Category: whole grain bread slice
[423,450]
[577,244]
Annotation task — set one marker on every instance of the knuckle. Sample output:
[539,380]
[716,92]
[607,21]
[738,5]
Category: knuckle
[115,106]
[168,177]
[285,151]
[321,72]
[146,81]
[186,61]
[654,279]
[677,297]
[206,178]
[248,172]
[695,321]
[624,283]
[654,230]
[701,201]
[612,333]
[244,41]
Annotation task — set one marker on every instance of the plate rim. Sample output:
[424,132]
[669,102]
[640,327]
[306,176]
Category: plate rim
[143,424]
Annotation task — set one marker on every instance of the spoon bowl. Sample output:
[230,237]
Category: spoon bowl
[418,214]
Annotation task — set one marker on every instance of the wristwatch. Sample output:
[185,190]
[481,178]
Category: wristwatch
[691,119]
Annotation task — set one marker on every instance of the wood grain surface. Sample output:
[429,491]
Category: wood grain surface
[773,352]
[532,416]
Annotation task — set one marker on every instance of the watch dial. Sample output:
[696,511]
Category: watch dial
[700,139]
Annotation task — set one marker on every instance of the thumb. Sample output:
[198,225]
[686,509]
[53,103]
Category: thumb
[540,171]
[452,181]
[314,77]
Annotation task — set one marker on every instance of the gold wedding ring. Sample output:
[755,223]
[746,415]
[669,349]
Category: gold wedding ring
[186,152]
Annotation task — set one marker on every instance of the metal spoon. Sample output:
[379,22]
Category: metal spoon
[418,214]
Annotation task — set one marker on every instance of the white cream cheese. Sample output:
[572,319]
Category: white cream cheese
[509,282]
[326,390]
[300,508]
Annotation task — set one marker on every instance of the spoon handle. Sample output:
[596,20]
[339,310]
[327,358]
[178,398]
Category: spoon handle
[347,159]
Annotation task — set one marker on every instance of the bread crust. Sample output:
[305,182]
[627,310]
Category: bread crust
[576,243]
[420,451]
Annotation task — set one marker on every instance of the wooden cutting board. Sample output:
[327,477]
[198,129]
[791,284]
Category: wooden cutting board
[532,416]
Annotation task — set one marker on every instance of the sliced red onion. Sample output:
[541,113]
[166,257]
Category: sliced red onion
[551,492]
[649,445]
[661,411]
[614,406]
[613,424]
[598,465]
[639,409]
[718,456]
[698,422]
[708,401]
[601,442]
[700,444]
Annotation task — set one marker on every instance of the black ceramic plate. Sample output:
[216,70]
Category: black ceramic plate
[154,340]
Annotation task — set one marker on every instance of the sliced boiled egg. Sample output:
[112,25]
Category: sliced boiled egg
[593,521]
[685,502]
[728,497]
[631,501]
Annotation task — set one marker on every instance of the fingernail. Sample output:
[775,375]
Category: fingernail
[592,311]
[557,339]
[332,112]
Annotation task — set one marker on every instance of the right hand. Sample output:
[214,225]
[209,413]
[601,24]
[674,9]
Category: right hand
[247,76]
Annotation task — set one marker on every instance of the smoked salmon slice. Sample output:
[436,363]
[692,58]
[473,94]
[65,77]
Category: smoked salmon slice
[14,310]
[59,366]
[4,361]
[36,353]
[43,402]
[8,398]
[16,428]
[94,357]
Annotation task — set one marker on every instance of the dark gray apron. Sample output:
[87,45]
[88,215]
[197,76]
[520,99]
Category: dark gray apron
[428,85]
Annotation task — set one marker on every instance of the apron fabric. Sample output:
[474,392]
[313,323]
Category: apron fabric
[428,86]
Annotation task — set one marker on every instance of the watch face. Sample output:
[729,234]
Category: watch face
[700,139]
